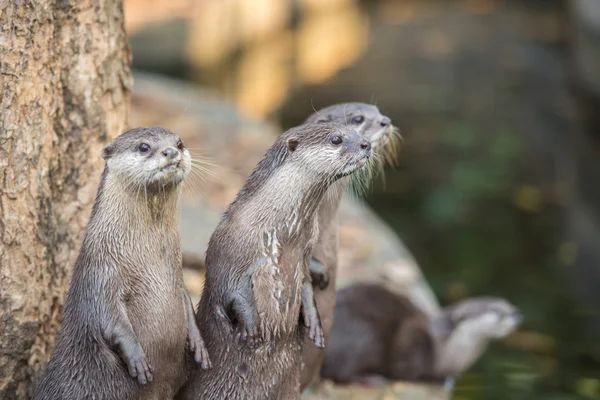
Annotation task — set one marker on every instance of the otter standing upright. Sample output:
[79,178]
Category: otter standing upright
[378,129]
[257,278]
[127,315]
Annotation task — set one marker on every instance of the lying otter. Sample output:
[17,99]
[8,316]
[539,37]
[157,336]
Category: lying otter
[378,129]
[127,315]
[378,334]
[258,283]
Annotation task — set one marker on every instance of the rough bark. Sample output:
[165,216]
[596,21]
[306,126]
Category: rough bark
[65,81]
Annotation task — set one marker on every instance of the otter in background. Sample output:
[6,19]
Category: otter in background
[379,335]
[258,286]
[127,316]
[369,123]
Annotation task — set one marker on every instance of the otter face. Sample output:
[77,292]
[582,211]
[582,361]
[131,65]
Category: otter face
[492,318]
[331,151]
[148,157]
[364,118]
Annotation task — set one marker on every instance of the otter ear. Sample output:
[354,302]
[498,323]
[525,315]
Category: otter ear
[323,119]
[107,151]
[292,143]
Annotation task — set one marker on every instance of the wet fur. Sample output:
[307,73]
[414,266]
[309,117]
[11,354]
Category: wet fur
[257,277]
[392,339]
[128,273]
[379,130]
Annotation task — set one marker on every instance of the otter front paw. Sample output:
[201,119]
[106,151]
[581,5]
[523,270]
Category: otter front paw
[313,323]
[318,274]
[198,348]
[138,366]
[248,334]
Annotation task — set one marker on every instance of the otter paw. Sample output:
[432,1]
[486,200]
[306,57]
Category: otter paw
[315,330]
[139,368]
[249,335]
[201,357]
[316,335]
[318,274]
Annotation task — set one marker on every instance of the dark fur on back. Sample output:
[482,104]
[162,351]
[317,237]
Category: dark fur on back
[128,269]
[367,322]
[256,267]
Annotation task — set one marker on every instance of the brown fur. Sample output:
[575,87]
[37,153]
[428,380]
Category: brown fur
[126,308]
[379,130]
[257,279]
[380,335]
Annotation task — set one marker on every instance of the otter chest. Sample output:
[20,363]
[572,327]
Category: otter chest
[277,278]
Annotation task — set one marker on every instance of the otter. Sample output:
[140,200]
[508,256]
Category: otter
[258,286]
[368,122]
[391,338]
[127,316]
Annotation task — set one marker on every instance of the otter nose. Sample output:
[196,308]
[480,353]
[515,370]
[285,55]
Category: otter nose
[365,145]
[385,121]
[170,152]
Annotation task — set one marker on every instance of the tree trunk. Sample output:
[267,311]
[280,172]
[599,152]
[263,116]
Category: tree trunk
[65,81]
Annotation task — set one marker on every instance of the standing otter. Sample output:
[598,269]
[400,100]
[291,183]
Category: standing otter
[391,338]
[257,278]
[378,129]
[127,315]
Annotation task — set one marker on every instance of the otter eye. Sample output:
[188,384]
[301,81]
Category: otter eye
[358,119]
[336,140]
[180,145]
[143,148]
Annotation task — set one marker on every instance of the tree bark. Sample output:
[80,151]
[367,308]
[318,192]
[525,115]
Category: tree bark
[65,81]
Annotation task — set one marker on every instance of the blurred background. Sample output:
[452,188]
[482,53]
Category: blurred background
[497,189]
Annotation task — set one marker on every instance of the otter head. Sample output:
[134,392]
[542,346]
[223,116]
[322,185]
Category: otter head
[463,331]
[327,150]
[314,155]
[367,121]
[489,317]
[153,158]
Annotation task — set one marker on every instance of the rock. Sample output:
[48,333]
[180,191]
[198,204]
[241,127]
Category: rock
[399,390]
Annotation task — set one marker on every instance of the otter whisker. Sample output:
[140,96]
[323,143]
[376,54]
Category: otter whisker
[396,143]
[195,184]
[360,182]
[199,173]
[198,153]
[313,107]
[204,161]
[204,172]
[210,170]
[191,188]
[202,166]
